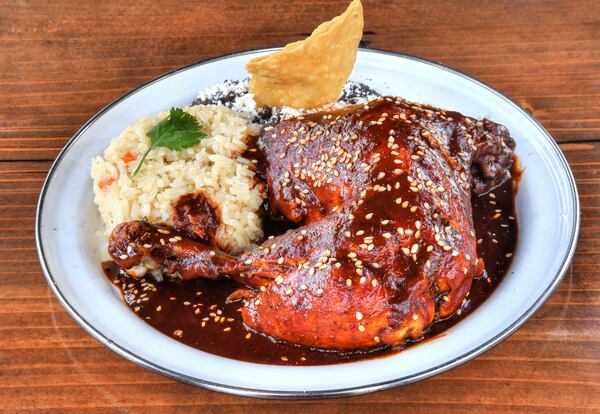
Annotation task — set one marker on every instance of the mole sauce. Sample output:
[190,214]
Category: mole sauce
[194,312]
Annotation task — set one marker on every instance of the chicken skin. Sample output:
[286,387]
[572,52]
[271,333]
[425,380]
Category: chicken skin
[385,243]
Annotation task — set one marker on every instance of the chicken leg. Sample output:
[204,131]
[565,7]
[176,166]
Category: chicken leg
[381,193]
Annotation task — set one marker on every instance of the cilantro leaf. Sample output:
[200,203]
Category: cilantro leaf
[178,131]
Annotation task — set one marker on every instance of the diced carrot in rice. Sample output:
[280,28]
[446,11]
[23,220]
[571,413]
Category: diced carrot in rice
[106,182]
[128,157]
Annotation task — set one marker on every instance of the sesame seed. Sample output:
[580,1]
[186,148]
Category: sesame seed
[359,316]
[361,328]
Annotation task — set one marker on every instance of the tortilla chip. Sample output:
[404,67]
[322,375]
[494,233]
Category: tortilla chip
[310,73]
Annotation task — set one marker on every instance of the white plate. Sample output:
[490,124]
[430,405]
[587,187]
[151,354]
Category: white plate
[547,204]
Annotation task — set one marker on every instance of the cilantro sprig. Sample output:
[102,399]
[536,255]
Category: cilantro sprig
[178,131]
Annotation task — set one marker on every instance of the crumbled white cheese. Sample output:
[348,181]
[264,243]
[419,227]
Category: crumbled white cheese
[234,95]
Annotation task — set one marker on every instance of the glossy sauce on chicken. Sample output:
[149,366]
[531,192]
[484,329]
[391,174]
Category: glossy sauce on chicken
[194,312]
[400,216]
[398,220]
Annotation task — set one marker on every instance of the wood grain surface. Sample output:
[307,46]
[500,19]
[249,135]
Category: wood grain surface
[61,61]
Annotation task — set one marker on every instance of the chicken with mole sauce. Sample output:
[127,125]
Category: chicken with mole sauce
[384,241]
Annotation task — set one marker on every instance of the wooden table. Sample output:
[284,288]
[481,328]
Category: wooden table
[61,61]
